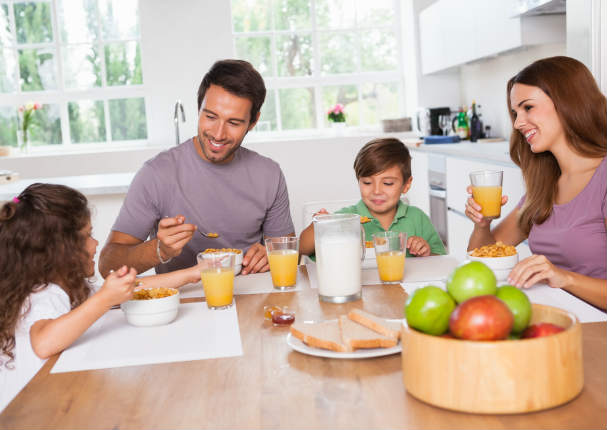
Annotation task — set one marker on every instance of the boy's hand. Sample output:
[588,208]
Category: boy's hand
[418,246]
[323,211]
[118,286]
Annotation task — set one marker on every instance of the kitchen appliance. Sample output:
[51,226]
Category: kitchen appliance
[422,122]
[435,129]
[437,179]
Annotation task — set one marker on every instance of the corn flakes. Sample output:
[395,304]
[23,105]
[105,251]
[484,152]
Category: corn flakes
[153,293]
[498,249]
[232,250]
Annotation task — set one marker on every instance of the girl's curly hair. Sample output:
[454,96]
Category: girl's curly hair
[41,241]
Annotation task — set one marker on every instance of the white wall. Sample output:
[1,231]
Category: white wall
[485,82]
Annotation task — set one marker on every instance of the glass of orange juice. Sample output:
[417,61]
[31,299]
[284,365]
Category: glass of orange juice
[217,275]
[487,191]
[283,256]
[390,251]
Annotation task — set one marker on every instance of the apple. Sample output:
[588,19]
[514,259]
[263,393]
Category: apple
[541,329]
[518,303]
[428,310]
[481,318]
[470,280]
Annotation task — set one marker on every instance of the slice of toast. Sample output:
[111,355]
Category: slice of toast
[356,336]
[325,335]
[390,329]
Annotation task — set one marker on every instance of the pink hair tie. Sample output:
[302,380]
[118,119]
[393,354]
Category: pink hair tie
[16,199]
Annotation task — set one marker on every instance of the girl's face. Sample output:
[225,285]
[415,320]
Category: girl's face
[535,117]
[381,192]
[90,248]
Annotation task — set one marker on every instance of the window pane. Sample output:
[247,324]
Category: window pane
[37,68]
[123,63]
[81,66]
[77,20]
[332,14]
[8,126]
[8,71]
[378,50]
[297,108]
[379,101]
[294,55]
[6,37]
[127,119]
[45,128]
[347,95]
[292,14]
[250,15]
[87,121]
[375,13]
[119,19]
[256,50]
[337,52]
[33,22]
[268,118]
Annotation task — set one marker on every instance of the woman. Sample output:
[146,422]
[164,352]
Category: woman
[559,140]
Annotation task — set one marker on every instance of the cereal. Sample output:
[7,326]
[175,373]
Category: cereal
[232,250]
[213,235]
[368,244]
[364,219]
[498,249]
[153,293]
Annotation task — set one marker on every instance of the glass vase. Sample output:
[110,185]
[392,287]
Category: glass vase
[23,141]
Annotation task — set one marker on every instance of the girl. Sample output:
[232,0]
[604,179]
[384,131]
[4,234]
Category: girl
[47,253]
[559,140]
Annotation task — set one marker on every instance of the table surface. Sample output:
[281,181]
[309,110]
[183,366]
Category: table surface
[271,385]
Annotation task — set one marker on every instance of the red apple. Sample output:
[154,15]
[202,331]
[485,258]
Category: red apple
[541,329]
[481,318]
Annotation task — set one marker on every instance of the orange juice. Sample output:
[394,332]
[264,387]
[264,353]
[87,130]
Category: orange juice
[490,199]
[391,266]
[283,267]
[218,286]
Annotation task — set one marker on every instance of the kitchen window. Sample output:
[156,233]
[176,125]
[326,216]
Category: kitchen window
[82,60]
[316,53]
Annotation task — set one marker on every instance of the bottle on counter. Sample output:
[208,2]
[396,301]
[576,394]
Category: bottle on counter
[476,127]
[462,128]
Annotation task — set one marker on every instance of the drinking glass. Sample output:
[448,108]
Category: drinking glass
[283,256]
[390,251]
[217,275]
[444,122]
[487,191]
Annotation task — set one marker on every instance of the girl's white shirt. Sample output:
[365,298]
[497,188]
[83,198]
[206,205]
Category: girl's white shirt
[49,303]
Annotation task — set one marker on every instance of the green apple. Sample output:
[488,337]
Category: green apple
[470,280]
[428,310]
[518,303]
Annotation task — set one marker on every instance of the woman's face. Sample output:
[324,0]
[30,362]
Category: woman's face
[535,117]
[90,248]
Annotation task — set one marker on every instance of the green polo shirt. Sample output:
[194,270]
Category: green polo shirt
[408,219]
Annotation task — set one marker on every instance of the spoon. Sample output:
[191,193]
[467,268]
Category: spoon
[209,235]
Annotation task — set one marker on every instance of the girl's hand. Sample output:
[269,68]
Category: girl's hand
[118,286]
[418,246]
[473,210]
[535,269]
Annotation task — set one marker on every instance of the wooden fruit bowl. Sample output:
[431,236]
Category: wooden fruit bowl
[504,377]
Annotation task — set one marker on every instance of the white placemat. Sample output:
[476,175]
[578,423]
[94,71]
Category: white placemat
[255,283]
[546,295]
[198,333]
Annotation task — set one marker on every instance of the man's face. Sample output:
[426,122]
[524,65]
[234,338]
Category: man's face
[223,122]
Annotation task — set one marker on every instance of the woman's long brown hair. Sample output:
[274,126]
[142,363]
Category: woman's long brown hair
[40,242]
[582,111]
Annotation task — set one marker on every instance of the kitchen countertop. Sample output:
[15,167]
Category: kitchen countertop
[493,151]
[111,183]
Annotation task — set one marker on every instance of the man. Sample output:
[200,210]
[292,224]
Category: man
[208,183]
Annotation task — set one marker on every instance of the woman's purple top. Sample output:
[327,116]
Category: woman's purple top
[574,236]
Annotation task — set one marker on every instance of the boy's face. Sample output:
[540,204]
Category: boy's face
[381,192]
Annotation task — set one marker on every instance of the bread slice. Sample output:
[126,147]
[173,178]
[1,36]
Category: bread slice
[356,336]
[390,329]
[325,335]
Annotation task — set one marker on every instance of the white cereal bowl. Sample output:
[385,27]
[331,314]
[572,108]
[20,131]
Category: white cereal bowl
[237,262]
[152,312]
[501,266]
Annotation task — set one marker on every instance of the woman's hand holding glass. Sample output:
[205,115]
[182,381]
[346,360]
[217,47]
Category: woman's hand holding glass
[473,210]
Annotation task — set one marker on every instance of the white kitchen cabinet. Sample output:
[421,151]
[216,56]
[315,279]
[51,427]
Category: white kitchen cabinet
[418,194]
[453,33]
[459,231]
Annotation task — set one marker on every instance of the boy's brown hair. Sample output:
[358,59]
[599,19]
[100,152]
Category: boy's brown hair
[381,154]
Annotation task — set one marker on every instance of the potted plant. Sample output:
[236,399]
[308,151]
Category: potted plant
[337,116]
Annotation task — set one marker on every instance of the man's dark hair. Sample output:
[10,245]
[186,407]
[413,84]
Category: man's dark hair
[238,77]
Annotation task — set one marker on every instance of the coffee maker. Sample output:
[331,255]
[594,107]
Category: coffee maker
[435,129]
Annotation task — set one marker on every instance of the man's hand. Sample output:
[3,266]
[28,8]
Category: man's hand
[173,234]
[255,260]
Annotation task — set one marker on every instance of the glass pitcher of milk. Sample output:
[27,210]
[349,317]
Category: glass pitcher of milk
[339,244]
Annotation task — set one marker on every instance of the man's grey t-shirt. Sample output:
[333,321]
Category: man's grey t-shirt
[242,200]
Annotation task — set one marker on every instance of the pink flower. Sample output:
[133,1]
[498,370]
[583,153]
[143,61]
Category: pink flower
[37,106]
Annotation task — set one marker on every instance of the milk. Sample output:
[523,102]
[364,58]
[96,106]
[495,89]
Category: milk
[338,265]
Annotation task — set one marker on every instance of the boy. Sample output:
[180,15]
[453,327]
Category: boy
[383,171]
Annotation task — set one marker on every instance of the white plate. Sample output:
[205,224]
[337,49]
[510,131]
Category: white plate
[299,346]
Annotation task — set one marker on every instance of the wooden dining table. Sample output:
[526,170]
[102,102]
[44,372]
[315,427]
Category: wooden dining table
[272,386]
